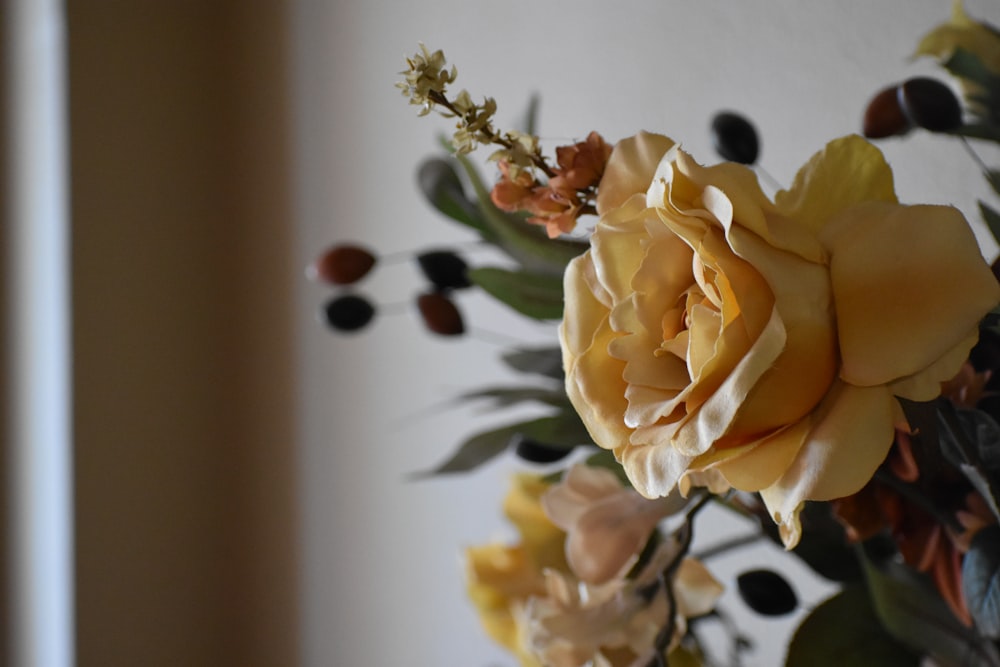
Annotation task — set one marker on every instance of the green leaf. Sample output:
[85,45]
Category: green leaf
[507,396]
[563,429]
[536,295]
[441,186]
[530,122]
[528,244]
[970,440]
[967,65]
[844,630]
[913,612]
[992,219]
[981,580]
[984,97]
[474,452]
[545,361]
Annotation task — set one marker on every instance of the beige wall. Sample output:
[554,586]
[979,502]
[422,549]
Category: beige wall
[182,276]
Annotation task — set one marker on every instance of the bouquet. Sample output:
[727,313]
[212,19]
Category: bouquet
[819,360]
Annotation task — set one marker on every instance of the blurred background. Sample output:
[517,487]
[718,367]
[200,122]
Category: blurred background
[223,479]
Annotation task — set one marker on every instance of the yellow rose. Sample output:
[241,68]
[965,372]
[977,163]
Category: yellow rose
[712,334]
[501,579]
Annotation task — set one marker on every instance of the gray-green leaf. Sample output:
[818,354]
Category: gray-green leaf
[844,630]
[535,295]
[981,580]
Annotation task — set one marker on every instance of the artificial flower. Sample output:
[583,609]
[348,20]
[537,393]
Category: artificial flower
[613,623]
[502,578]
[708,328]
[606,524]
[962,32]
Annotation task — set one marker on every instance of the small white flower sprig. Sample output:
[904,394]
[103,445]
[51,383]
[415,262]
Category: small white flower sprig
[426,86]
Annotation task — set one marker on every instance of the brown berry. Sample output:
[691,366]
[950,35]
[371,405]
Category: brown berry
[884,116]
[440,314]
[342,265]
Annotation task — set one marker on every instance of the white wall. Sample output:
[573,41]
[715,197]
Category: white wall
[381,575]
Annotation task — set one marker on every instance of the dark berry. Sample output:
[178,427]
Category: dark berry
[444,269]
[348,312]
[930,104]
[735,138]
[767,592]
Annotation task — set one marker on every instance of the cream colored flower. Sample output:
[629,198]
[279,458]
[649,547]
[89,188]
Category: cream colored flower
[709,329]
[613,623]
[607,524]
[425,74]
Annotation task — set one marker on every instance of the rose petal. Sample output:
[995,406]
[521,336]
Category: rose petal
[620,247]
[712,420]
[596,389]
[653,470]
[594,381]
[847,171]
[926,385]
[908,283]
[757,465]
[851,435]
[630,168]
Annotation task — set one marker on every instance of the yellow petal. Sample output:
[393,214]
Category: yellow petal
[908,283]
[653,469]
[595,387]
[926,385]
[800,377]
[758,465]
[847,171]
[713,418]
[852,431]
[594,381]
[962,33]
[618,246]
[498,578]
[630,168]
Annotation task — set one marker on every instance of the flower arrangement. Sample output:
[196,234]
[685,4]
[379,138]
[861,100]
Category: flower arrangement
[820,360]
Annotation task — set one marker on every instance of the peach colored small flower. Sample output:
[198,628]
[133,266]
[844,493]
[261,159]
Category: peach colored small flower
[581,165]
[606,524]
